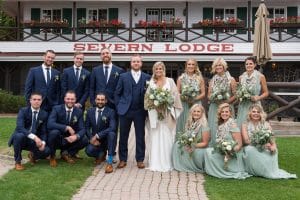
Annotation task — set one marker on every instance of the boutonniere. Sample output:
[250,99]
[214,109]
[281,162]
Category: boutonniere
[104,119]
[117,74]
[74,120]
[83,77]
[56,78]
[147,85]
[40,121]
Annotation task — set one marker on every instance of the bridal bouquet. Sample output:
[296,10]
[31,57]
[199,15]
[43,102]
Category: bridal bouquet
[159,99]
[189,92]
[188,139]
[261,137]
[226,148]
[219,94]
[244,92]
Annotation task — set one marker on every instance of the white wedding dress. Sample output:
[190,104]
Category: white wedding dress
[162,136]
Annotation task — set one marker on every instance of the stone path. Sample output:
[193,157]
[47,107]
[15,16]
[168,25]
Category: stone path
[6,164]
[131,183]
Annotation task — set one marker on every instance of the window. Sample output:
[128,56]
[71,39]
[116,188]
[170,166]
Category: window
[158,15]
[225,14]
[51,15]
[276,13]
[97,15]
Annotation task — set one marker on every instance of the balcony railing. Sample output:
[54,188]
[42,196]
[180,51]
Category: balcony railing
[178,33]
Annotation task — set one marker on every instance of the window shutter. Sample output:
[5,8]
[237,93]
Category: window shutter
[67,15]
[36,16]
[208,14]
[113,13]
[292,12]
[254,10]
[81,14]
[241,14]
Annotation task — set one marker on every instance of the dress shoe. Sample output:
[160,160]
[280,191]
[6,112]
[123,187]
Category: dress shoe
[53,162]
[99,160]
[19,167]
[109,168]
[140,165]
[67,158]
[121,164]
[115,159]
[31,158]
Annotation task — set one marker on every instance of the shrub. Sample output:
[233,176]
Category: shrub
[10,103]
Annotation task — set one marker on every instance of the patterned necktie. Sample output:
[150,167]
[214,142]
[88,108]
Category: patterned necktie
[48,75]
[77,73]
[106,73]
[33,124]
[68,116]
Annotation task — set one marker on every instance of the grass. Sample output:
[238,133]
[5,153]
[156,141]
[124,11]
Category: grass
[41,182]
[261,188]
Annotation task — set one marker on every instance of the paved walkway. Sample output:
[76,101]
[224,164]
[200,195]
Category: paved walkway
[131,183]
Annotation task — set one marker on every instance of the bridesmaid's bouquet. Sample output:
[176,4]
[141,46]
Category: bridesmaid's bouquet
[261,137]
[189,92]
[226,148]
[187,140]
[159,99]
[220,93]
[244,92]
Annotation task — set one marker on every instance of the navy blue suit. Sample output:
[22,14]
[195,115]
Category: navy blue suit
[105,129]
[129,97]
[81,87]
[19,138]
[36,82]
[57,124]
[98,84]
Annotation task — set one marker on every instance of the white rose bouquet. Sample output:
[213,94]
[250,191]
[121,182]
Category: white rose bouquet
[189,92]
[261,137]
[188,139]
[219,94]
[226,148]
[244,92]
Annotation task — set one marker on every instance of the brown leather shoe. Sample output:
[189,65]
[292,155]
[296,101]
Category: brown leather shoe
[19,167]
[109,168]
[121,164]
[67,158]
[31,158]
[140,165]
[99,160]
[53,162]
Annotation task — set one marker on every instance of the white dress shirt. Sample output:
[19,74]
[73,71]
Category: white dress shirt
[136,75]
[45,72]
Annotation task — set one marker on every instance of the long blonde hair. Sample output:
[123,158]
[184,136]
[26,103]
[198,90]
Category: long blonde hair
[217,61]
[220,108]
[260,109]
[201,122]
[159,63]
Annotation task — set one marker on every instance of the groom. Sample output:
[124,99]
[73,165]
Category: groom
[129,98]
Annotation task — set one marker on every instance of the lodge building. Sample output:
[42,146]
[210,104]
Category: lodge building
[169,31]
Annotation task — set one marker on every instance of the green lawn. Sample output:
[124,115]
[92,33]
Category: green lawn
[41,181]
[260,188]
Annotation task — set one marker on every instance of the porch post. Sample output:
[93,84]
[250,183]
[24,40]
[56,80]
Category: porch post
[249,21]
[130,21]
[186,20]
[74,21]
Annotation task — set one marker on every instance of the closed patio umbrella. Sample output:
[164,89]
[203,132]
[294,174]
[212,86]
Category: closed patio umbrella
[261,46]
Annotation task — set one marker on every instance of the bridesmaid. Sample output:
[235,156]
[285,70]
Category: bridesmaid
[191,77]
[227,130]
[196,123]
[265,163]
[221,79]
[253,79]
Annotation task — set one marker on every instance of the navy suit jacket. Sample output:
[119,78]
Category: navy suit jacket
[123,93]
[24,122]
[107,123]
[36,82]
[81,87]
[58,120]
[98,84]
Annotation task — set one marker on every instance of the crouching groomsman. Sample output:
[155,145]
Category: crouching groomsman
[66,130]
[101,129]
[30,133]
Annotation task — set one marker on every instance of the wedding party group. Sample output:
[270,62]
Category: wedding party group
[182,136]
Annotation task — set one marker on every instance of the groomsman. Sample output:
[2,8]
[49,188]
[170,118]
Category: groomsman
[66,130]
[76,78]
[45,80]
[104,79]
[30,133]
[101,130]
[129,97]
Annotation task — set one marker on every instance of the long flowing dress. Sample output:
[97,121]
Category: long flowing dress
[214,161]
[186,162]
[190,81]
[252,81]
[263,164]
[162,132]
[217,82]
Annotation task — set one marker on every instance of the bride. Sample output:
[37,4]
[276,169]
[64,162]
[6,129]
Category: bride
[162,118]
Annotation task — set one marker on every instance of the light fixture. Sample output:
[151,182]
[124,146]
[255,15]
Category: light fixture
[184,12]
[135,12]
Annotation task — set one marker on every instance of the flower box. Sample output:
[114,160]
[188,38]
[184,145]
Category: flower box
[99,26]
[229,23]
[285,25]
[45,24]
[166,25]
[218,26]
